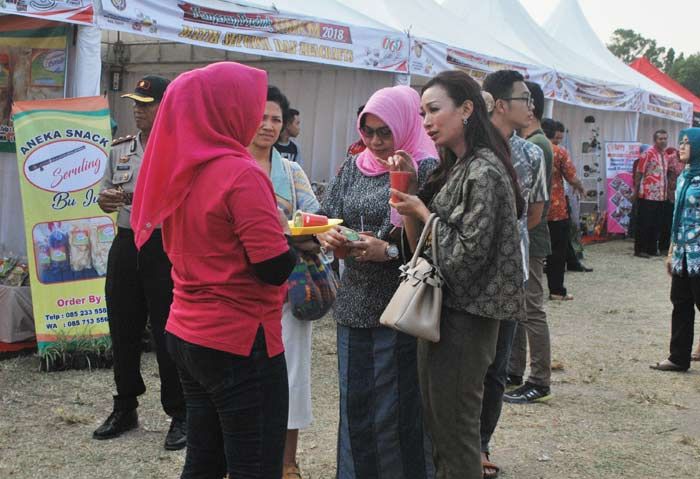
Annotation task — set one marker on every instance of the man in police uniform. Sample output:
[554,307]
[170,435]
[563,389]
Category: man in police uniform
[138,285]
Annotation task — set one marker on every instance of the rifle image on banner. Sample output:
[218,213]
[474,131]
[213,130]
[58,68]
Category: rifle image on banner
[47,162]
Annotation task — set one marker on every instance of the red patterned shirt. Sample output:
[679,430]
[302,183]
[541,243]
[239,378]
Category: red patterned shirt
[562,169]
[653,168]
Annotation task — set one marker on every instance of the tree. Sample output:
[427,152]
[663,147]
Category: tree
[686,71]
[627,45]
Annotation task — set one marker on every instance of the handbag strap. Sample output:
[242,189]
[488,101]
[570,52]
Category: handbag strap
[430,226]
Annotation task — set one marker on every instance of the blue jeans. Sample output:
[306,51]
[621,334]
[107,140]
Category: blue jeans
[495,383]
[236,410]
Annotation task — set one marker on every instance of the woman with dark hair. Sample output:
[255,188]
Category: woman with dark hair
[293,192]
[381,428]
[474,192]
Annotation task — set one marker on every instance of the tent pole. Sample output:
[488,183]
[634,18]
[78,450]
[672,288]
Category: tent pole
[635,132]
[548,108]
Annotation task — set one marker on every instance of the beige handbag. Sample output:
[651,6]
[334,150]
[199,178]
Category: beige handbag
[415,307]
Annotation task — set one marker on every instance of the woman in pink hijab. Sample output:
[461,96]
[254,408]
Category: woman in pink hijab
[230,258]
[381,431]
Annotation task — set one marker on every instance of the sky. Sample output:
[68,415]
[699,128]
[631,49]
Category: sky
[672,23]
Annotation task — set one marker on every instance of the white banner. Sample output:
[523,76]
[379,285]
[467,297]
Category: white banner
[71,11]
[258,31]
[663,107]
[429,58]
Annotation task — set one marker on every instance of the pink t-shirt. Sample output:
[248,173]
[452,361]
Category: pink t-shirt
[227,221]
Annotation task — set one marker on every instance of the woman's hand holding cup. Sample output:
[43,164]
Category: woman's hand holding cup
[402,174]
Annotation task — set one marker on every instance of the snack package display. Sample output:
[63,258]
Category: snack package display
[43,258]
[7,264]
[58,249]
[79,240]
[18,275]
[101,237]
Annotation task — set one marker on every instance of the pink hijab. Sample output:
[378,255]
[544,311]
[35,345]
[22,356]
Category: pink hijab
[399,108]
[205,114]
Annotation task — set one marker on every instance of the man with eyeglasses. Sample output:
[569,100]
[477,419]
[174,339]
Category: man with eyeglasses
[535,330]
[510,109]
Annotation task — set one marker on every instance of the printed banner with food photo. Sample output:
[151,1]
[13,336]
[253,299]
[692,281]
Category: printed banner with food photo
[619,163]
[32,66]
[62,150]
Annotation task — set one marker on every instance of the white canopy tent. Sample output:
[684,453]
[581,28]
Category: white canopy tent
[568,25]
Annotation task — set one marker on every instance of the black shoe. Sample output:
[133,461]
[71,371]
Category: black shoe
[528,393]
[116,424]
[579,268]
[642,255]
[513,381]
[176,438]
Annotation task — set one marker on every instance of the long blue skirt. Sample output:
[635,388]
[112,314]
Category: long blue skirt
[380,435]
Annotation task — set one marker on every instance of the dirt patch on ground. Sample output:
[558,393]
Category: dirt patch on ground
[611,416]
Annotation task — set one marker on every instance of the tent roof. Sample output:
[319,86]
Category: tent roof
[427,19]
[330,10]
[648,69]
[569,26]
[517,29]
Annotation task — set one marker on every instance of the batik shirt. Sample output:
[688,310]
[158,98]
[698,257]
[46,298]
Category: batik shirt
[562,169]
[478,240]
[528,162]
[686,242]
[652,165]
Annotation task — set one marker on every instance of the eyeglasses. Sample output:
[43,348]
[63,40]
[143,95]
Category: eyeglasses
[384,132]
[527,99]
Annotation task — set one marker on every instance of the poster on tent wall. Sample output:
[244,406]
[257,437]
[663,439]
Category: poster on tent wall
[258,31]
[32,66]
[72,11]
[619,160]
[62,151]
[429,58]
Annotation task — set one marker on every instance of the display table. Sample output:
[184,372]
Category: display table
[16,317]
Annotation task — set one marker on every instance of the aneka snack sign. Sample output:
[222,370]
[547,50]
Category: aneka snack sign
[62,150]
[619,162]
[258,31]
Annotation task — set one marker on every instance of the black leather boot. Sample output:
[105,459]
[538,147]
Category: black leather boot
[116,424]
[176,438]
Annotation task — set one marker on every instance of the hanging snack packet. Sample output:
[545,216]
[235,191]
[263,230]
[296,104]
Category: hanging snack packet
[79,240]
[101,237]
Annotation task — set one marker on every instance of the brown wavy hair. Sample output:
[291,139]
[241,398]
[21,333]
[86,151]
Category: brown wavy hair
[479,133]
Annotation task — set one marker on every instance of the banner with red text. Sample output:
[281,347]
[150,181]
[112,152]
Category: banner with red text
[619,162]
[62,151]
[258,31]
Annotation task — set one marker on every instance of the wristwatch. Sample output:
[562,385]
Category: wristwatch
[391,251]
